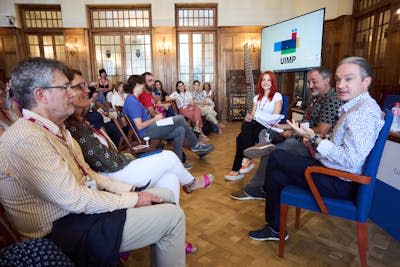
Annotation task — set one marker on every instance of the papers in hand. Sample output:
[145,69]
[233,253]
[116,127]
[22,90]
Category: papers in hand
[268,120]
[165,122]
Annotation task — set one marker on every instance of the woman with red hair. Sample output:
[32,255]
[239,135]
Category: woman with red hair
[268,100]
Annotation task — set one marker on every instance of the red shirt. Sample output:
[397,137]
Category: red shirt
[147,99]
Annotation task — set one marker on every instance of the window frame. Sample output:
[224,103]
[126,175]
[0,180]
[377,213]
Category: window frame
[194,30]
[118,31]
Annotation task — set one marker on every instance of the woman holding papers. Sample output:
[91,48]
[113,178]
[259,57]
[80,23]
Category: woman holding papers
[267,101]
[173,128]
[163,169]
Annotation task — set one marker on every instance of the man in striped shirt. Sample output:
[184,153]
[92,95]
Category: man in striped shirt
[44,178]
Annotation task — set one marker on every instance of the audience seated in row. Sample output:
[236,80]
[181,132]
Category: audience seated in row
[47,189]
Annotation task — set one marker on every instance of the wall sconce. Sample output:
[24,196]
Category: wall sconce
[163,47]
[253,44]
[73,48]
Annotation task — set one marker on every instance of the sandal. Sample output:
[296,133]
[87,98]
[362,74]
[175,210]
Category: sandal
[189,248]
[208,179]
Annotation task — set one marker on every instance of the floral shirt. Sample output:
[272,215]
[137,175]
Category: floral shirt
[99,157]
[198,95]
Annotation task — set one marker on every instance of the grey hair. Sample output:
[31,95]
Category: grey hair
[365,68]
[324,72]
[31,74]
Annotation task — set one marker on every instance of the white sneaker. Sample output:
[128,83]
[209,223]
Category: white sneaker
[233,176]
[246,167]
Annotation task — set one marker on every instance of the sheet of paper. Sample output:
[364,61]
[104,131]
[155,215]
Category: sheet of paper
[268,120]
[165,121]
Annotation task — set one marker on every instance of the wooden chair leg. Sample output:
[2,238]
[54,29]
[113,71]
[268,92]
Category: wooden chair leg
[297,220]
[282,229]
[362,237]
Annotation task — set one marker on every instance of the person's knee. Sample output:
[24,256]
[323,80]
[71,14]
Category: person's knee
[179,119]
[173,215]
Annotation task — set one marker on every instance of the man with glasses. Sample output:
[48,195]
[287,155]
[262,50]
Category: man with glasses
[48,190]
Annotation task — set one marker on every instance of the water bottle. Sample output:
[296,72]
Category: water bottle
[395,127]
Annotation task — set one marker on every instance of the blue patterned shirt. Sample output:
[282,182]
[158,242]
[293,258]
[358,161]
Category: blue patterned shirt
[354,136]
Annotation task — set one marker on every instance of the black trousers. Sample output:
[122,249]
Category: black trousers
[248,134]
[285,169]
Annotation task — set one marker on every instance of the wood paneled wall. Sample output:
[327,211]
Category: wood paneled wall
[11,50]
[230,57]
[81,60]
[337,41]
[165,65]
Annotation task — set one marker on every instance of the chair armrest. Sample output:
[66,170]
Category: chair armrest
[362,179]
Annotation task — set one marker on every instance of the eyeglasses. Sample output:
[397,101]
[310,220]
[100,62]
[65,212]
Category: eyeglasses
[65,87]
[81,85]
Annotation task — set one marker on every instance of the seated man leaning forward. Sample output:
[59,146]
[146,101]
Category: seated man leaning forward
[47,189]
[352,139]
[320,115]
[177,130]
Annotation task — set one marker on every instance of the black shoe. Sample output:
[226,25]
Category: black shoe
[255,192]
[266,234]
[242,195]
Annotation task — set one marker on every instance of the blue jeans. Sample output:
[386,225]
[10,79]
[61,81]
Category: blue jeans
[176,132]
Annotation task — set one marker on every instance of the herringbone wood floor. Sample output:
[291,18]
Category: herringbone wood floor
[218,226]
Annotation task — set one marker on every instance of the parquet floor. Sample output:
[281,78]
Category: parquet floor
[218,226]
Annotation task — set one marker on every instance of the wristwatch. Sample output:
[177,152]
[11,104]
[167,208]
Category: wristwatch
[314,140]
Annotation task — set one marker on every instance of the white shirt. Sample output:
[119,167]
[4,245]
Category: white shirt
[266,105]
[117,100]
[182,99]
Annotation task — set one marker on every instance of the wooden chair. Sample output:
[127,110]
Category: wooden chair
[131,140]
[352,210]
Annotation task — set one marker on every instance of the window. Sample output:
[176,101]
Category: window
[196,17]
[196,40]
[43,31]
[121,39]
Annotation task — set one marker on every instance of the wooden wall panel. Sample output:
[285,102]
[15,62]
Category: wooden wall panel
[230,54]
[80,60]
[11,50]
[335,46]
[165,65]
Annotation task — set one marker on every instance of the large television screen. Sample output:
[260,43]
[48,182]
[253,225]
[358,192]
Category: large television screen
[294,44]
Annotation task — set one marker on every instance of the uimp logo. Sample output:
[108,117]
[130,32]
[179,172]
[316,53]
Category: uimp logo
[287,47]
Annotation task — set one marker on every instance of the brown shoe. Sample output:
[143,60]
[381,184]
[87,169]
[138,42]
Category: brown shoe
[258,150]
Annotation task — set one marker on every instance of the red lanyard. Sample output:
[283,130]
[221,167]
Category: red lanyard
[61,139]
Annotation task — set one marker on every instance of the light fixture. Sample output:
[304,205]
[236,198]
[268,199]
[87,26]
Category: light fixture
[73,48]
[163,47]
[253,44]
[398,11]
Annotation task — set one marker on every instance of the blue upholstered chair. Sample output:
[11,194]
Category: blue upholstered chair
[352,210]
[285,108]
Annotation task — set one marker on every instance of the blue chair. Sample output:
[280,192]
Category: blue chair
[285,108]
[352,210]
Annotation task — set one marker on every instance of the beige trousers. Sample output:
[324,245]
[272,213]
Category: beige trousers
[210,113]
[161,226]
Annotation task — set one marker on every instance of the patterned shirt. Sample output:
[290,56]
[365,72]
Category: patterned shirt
[354,135]
[198,95]
[323,109]
[41,178]
[99,157]
[182,99]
